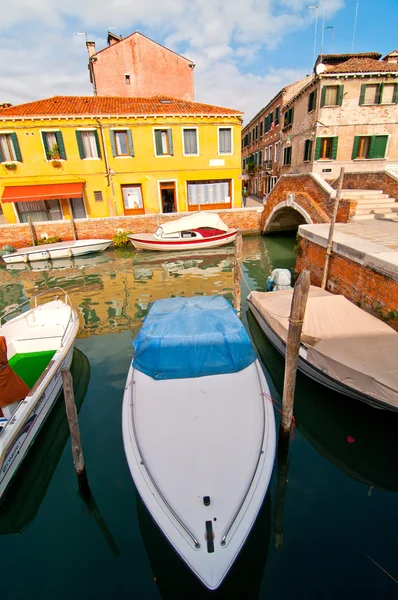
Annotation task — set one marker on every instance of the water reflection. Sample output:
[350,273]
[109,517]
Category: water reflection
[357,439]
[112,291]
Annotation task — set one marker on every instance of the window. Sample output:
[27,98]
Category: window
[389,93]
[98,196]
[307,150]
[209,192]
[287,155]
[40,210]
[332,95]
[288,118]
[277,114]
[132,199]
[225,140]
[163,142]
[276,154]
[127,79]
[261,129]
[78,208]
[9,148]
[88,144]
[372,94]
[369,146]
[53,145]
[260,157]
[311,101]
[190,140]
[121,142]
[326,148]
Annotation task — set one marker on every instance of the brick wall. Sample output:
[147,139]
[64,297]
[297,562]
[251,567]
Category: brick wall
[18,235]
[310,196]
[380,180]
[372,291]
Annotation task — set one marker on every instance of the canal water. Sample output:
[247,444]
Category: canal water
[328,527]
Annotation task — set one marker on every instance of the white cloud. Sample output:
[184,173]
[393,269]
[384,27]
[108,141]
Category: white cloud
[41,55]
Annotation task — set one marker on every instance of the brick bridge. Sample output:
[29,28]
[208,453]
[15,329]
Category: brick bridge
[308,198]
[299,199]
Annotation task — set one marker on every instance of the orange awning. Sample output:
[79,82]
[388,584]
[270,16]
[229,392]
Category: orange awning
[53,191]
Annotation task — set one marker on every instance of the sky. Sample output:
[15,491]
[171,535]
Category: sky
[245,51]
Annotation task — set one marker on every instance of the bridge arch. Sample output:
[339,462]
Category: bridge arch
[286,216]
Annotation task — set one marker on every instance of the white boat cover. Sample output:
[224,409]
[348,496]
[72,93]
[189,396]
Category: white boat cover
[342,340]
[200,219]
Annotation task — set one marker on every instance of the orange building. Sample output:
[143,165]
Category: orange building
[136,66]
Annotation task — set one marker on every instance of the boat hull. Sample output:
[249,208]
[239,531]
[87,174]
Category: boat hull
[208,456]
[150,242]
[56,251]
[312,371]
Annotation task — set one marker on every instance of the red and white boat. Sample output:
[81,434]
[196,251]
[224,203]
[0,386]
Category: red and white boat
[201,230]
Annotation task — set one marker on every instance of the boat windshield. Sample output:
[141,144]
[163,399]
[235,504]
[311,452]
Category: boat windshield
[159,231]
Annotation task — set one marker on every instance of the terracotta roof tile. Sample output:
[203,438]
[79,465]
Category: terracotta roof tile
[362,65]
[338,57]
[113,105]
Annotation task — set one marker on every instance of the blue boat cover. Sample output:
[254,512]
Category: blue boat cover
[191,337]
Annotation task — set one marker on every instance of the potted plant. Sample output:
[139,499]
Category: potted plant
[11,166]
[54,155]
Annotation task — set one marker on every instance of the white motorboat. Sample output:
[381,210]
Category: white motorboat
[342,346]
[194,232]
[39,343]
[199,430]
[280,279]
[55,251]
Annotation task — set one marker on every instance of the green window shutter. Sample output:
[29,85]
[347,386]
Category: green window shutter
[45,144]
[318,148]
[271,118]
[362,95]
[113,143]
[355,147]
[130,139]
[379,93]
[80,144]
[323,96]
[97,143]
[334,146]
[378,145]
[170,141]
[395,96]
[1,156]
[158,142]
[61,145]
[340,95]
[17,150]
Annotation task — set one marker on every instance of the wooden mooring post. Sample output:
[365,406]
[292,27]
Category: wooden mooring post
[73,225]
[331,229]
[32,231]
[297,312]
[71,413]
[238,271]
[281,487]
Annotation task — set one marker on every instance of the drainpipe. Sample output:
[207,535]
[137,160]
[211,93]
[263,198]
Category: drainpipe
[109,172]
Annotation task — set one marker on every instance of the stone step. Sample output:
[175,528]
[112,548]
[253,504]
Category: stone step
[363,217]
[368,197]
[376,200]
[372,205]
[349,193]
[373,210]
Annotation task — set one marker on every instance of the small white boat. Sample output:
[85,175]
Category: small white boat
[55,251]
[194,232]
[199,430]
[342,346]
[39,344]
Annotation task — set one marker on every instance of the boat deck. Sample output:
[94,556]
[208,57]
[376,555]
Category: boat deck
[30,365]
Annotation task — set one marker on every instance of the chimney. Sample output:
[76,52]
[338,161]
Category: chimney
[90,48]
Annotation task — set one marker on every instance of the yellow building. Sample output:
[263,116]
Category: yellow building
[113,156]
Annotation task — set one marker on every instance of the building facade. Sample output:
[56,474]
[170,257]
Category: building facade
[100,157]
[346,116]
[261,142]
[136,66]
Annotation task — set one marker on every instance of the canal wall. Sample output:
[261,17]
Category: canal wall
[18,235]
[367,277]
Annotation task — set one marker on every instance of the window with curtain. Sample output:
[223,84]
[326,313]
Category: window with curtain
[7,148]
[225,140]
[163,142]
[190,141]
[331,95]
[121,143]
[89,144]
[51,144]
[209,192]
[371,94]
[388,93]
[41,210]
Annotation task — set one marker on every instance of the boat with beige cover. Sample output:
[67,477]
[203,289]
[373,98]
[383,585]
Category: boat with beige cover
[342,346]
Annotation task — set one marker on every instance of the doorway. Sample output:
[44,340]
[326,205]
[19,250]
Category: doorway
[78,208]
[168,196]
